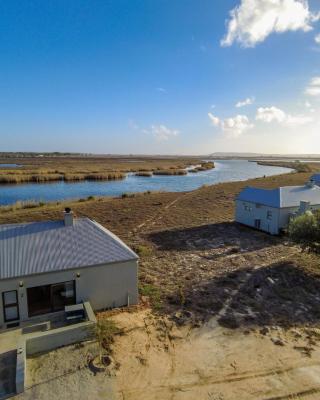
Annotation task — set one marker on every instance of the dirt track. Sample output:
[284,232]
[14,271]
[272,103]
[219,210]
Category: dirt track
[156,360]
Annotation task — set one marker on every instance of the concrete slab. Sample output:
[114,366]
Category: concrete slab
[8,374]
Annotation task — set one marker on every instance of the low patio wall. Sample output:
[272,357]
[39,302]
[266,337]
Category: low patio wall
[39,342]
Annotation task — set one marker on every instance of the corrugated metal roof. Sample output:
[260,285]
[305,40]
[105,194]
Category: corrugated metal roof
[268,197]
[286,196]
[40,247]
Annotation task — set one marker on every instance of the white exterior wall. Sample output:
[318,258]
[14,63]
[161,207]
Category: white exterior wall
[280,216]
[103,286]
[254,211]
[285,213]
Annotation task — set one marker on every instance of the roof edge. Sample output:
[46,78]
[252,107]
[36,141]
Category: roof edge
[114,237]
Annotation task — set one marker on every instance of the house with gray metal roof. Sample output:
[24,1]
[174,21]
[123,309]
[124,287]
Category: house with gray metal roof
[45,266]
[271,209]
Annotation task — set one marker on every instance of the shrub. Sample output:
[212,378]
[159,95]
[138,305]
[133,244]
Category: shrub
[143,250]
[301,167]
[305,230]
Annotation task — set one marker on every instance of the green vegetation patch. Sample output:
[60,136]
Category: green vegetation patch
[153,293]
[305,231]
[143,250]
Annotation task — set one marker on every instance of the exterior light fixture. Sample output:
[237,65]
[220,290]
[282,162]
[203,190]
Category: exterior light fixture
[21,284]
[78,275]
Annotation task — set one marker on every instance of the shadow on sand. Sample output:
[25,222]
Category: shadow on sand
[212,236]
[280,294]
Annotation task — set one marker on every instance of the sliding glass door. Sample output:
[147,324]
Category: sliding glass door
[63,294]
[49,298]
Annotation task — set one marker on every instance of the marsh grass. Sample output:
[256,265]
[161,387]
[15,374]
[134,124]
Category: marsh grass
[170,172]
[147,174]
[71,168]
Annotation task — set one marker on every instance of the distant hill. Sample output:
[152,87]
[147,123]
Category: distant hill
[260,155]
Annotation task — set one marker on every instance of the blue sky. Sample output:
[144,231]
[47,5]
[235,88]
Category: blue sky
[160,76]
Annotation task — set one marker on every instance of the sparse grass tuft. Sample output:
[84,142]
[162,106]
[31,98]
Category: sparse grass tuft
[153,293]
[105,330]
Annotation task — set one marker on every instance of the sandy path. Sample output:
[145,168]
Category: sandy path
[162,362]
[156,360]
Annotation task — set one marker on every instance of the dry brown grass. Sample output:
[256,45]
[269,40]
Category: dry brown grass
[173,233]
[45,169]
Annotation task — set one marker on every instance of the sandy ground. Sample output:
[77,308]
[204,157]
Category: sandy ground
[156,359]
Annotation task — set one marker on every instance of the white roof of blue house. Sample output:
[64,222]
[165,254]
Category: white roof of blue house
[286,196]
[41,247]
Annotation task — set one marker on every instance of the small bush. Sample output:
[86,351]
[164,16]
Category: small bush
[143,250]
[153,293]
[305,230]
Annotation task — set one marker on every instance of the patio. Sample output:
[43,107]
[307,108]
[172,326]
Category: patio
[38,335]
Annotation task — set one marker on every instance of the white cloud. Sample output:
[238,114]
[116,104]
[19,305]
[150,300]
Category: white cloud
[161,89]
[233,127]
[274,114]
[317,38]
[245,102]
[254,20]
[313,89]
[236,126]
[161,132]
[308,105]
[215,120]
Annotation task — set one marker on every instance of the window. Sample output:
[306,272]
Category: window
[258,205]
[247,207]
[269,214]
[10,305]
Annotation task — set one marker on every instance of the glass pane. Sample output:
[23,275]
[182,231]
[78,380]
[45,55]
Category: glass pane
[39,300]
[10,297]
[62,295]
[11,313]
[68,290]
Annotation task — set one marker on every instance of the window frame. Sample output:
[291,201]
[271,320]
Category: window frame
[10,305]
